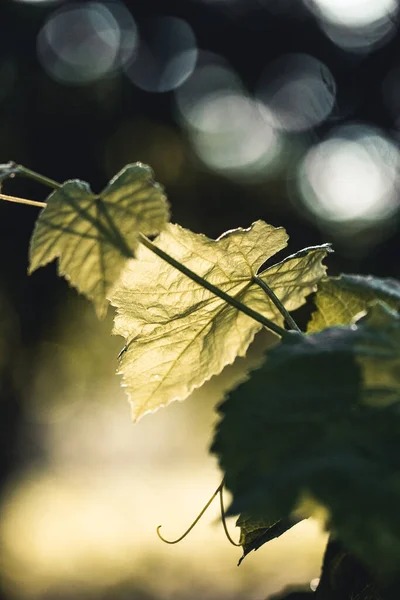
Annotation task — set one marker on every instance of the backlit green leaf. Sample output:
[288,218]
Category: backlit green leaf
[255,532]
[92,235]
[340,299]
[179,334]
[320,420]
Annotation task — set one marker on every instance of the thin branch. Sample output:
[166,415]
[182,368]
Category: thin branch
[22,200]
[20,170]
[221,504]
[12,169]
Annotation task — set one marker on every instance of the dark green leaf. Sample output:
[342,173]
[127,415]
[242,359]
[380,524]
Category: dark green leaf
[304,428]
[254,533]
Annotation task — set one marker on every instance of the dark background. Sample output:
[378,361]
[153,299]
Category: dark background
[64,131]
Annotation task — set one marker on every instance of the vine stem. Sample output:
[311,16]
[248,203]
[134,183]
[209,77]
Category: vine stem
[271,294]
[20,170]
[219,491]
[22,200]
[197,519]
[223,518]
[12,169]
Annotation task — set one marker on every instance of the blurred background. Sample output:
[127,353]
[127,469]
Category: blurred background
[284,110]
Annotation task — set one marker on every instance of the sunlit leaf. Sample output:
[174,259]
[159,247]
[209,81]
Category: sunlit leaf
[179,334]
[340,299]
[92,235]
[321,419]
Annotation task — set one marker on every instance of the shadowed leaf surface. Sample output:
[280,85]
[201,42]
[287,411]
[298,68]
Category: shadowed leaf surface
[255,532]
[92,235]
[303,428]
[340,299]
[343,576]
[178,334]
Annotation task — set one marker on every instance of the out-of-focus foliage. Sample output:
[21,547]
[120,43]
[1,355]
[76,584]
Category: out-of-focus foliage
[340,299]
[318,425]
[178,333]
[92,235]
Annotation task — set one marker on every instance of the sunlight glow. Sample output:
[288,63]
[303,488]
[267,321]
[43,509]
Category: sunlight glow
[354,13]
[166,55]
[314,584]
[299,90]
[230,132]
[352,176]
[81,43]
[212,75]
[84,517]
[357,25]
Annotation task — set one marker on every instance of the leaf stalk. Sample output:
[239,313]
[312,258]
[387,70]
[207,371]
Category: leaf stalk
[271,294]
[11,169]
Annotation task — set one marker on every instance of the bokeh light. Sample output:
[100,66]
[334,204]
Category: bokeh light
[357,25]
[213,73]
[299,90]
[84,517]
[230,132]
[351,177]
[166,55]
[83,488]
[81,43]
[354,13]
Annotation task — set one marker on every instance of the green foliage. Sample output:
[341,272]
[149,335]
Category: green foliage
[304,432]
[255,532]
[178,333]
[92,235]
[316,428]
[340,299]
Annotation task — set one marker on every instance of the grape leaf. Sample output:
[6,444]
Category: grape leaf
[254,533]
[303,426]
[92,235]
[179,334]
[340,299]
